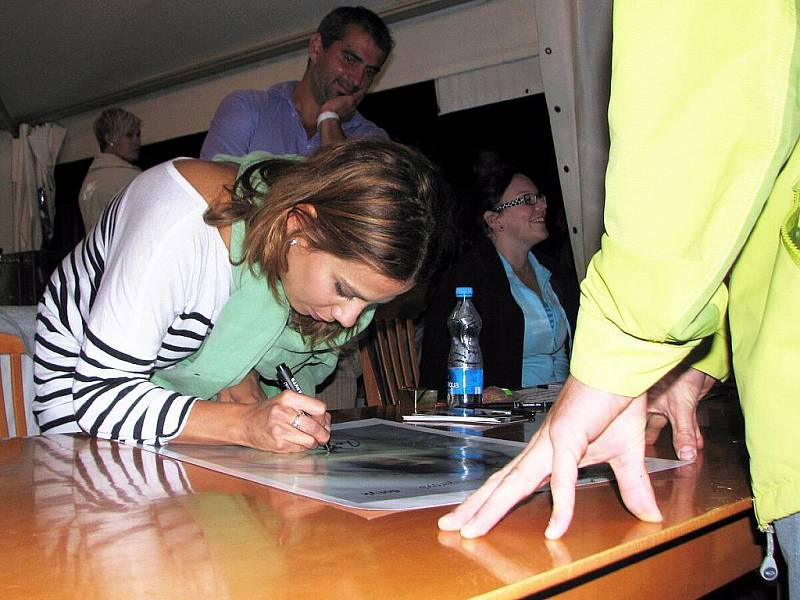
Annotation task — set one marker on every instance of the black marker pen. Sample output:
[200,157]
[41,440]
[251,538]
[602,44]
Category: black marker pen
[287,380]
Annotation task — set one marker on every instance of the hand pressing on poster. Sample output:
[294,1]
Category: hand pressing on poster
[585,426]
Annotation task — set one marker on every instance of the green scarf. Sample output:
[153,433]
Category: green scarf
[252,332]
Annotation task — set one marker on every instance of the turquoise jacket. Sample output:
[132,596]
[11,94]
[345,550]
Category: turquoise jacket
[701,189]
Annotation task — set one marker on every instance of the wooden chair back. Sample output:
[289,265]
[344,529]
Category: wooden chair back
[389,360]
[12,346]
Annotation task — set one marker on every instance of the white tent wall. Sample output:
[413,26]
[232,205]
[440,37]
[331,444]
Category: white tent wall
[446,42]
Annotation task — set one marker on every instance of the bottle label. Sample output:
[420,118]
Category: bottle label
[463,381]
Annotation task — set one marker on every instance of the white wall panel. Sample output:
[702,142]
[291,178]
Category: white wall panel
[489,85]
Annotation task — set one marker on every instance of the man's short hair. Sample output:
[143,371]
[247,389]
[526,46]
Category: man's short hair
[333,26]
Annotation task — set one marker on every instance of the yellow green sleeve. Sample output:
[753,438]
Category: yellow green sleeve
[696,132]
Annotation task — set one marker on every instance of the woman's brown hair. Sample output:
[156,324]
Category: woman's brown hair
[378,203]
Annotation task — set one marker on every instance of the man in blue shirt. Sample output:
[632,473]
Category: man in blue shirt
[344,56]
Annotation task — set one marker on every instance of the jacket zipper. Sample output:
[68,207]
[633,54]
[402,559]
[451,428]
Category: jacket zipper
[769,568]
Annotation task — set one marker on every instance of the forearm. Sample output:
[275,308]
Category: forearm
[113,397]
[330,132]
[289,422]
[214,423]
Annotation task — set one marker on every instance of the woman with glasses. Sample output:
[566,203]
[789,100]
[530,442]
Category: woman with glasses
[526,334]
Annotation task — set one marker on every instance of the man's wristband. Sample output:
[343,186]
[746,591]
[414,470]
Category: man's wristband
[325,115]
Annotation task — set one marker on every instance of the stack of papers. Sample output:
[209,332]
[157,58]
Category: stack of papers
[522,405]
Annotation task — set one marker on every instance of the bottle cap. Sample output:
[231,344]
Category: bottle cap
[463,292]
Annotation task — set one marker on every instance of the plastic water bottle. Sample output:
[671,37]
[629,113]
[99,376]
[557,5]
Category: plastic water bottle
[465,361]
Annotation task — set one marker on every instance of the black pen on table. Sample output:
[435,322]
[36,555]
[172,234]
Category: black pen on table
[287,380]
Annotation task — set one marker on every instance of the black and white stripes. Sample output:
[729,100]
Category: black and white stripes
[137,295]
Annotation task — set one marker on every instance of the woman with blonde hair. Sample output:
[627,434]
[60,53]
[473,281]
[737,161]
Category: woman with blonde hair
[119,135]
[201,278]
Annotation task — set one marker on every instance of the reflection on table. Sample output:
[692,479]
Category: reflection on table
[97,519]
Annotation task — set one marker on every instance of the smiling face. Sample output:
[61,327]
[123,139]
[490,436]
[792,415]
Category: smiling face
[347,66]
[524,222]
[328,288]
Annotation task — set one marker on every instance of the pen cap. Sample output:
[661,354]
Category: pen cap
[286,378]
[284,374]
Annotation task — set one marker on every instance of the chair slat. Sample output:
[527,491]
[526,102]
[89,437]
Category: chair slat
[12,346]
[371,387]
[386,363]
[392,345]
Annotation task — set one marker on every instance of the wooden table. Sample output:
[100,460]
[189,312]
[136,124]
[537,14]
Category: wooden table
[94,519]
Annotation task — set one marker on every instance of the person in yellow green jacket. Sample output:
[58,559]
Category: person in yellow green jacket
[701,224]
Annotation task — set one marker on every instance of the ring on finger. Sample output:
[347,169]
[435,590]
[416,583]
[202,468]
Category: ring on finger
[296,421]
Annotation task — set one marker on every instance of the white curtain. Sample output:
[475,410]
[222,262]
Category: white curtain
[6,220]
[575,59]
[24,219]
[45,142]
[34,154]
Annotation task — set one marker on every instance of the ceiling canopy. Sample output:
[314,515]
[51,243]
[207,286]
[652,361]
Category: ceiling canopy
[63,58]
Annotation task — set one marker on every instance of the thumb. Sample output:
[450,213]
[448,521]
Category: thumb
[684,437]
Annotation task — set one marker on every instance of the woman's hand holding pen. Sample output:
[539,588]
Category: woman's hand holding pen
[293,424]
[289,422]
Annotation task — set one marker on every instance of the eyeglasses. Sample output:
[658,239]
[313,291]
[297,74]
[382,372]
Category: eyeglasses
[526,198]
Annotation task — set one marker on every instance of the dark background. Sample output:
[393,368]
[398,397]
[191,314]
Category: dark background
[518,129]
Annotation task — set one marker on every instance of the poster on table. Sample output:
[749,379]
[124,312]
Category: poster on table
[378,464]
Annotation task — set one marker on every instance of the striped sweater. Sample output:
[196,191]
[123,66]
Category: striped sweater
[137,295]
